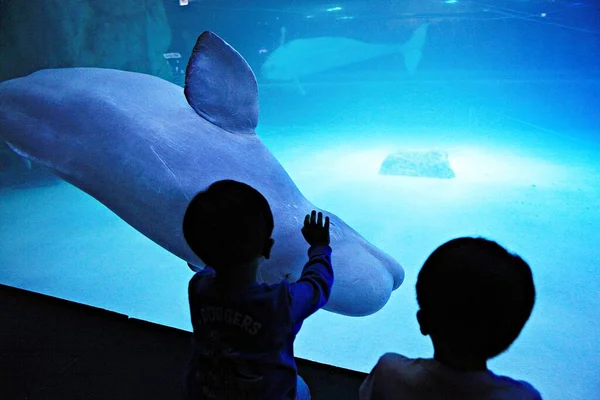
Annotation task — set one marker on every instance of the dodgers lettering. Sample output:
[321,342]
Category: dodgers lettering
[232,317]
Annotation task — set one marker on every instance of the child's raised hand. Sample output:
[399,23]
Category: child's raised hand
[315,233]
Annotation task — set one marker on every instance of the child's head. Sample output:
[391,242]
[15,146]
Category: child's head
[229,225]
[474,297]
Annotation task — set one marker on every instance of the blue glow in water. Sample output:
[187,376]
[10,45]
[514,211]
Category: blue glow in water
[507,93]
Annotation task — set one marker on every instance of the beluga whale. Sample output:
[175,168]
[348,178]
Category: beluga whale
[143,147]
[300,58]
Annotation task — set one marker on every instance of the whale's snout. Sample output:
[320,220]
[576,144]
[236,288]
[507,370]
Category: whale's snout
[268,70]
[364,275]
[392,266]
[365,278]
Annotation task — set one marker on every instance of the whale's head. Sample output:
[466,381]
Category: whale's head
[277,68]
[364,275]
[289,62]
[361,261]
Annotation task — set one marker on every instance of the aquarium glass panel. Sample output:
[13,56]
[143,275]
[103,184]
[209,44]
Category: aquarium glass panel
[410,122]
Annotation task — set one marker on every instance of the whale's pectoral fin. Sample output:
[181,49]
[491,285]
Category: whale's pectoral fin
[221,87]
[11,150]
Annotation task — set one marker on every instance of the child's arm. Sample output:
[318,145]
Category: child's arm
[312,290]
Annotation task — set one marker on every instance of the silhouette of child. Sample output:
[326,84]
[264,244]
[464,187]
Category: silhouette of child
[474,299]
[244,331]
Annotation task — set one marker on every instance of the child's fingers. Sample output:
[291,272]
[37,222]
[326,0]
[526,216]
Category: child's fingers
[313,217]
[320,220]
[306,220]
[327,223]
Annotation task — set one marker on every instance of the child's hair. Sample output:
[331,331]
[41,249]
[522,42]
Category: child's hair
[476,296]
[228,224]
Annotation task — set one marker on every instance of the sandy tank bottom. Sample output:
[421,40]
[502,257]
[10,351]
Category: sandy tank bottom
[536,193]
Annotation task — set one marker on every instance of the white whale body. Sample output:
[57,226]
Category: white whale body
[144,147]
[299,58]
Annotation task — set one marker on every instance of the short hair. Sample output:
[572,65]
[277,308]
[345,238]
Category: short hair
[476,296]
[228,224]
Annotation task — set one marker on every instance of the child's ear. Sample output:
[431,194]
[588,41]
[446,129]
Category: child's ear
[268,246]
[422,323]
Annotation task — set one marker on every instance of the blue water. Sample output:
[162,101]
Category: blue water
[510,95]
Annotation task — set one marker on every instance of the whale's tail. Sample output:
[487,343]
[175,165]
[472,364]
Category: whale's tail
[413,48]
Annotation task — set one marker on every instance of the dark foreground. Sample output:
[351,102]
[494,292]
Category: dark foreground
[55,349]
